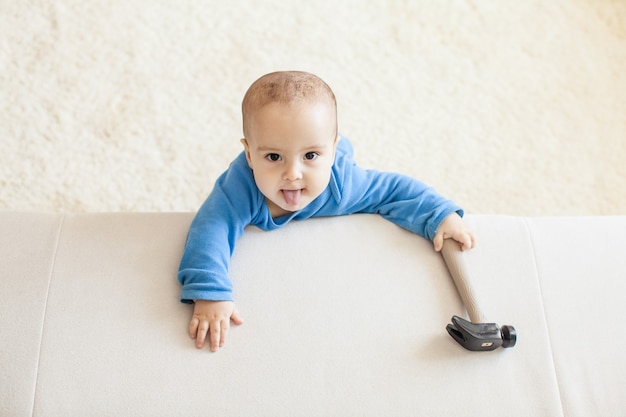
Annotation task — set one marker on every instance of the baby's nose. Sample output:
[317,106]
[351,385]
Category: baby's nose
[293,172]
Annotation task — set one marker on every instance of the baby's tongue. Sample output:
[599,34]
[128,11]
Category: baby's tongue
[292,197]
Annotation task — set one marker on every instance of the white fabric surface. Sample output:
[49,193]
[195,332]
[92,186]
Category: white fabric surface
[511,107]
[344,316]
[582,268]
[27,251]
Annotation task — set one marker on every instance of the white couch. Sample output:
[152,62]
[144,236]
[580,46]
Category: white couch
[343,317]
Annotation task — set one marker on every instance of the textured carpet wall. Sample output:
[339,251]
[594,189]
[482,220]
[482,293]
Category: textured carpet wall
[514,107]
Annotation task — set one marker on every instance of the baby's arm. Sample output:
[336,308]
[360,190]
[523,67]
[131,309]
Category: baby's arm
[453,227]
[212,319]
[203,271]
[400,199]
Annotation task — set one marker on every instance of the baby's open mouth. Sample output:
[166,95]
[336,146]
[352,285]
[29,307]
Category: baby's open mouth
[292,197]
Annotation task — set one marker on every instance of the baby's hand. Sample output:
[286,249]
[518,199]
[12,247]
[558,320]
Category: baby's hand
[212,318]
[453,227]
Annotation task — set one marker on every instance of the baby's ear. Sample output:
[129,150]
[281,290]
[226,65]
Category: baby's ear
[246,148]
[337,139]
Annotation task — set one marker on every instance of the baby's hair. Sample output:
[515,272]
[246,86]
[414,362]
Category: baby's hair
[285,87]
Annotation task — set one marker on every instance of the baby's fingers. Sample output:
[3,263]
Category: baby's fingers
[193,327]
[218,334]
[466,240]
[224,331]
[438,242]
[198,330]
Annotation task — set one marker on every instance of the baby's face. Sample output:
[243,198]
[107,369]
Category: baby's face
[291,150]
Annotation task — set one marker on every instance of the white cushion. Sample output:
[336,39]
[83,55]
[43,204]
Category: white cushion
[343,316]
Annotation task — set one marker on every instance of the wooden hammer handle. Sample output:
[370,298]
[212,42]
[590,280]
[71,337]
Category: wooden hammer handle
[454,258]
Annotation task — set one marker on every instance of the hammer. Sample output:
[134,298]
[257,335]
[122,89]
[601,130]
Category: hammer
[475,335]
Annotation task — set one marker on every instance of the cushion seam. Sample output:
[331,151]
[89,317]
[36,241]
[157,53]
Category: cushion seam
[543,306]
[45,309]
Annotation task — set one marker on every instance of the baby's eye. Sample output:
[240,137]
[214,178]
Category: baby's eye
[309,156]
[272,157]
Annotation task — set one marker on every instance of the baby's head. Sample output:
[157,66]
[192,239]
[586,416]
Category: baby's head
[290,129]
[289,88]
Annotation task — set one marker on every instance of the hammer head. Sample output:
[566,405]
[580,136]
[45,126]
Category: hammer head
[481,336]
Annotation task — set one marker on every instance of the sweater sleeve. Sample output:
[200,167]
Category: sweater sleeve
[219,223]
[400,199]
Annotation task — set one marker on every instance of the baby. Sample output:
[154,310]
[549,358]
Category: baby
[294,166]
